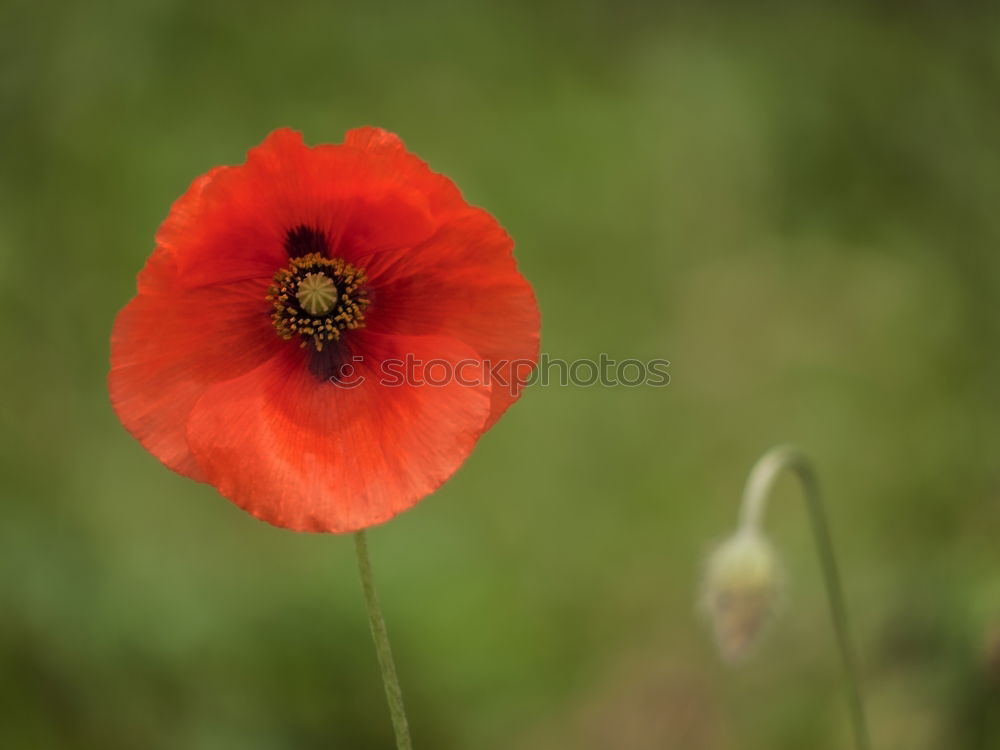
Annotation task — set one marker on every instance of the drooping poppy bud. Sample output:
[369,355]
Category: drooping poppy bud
[741,591]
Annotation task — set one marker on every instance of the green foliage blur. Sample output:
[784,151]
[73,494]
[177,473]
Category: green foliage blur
[797,204]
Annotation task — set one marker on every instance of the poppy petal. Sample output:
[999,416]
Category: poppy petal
[232,223]
[442,195]
[464,283]
[309,455]
[166,349]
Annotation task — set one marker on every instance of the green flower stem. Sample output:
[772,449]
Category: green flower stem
[382,648]
[758,488]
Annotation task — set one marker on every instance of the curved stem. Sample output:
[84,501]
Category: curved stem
[755,495]
[382,648]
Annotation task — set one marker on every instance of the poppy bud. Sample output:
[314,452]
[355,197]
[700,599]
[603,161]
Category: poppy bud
[740,592]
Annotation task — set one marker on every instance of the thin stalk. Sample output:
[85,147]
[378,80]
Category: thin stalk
[755,495]
[383,650]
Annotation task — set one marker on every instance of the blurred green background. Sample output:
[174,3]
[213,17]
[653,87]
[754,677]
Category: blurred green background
[797,206]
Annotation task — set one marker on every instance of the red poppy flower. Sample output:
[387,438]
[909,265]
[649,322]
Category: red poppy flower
[254,355]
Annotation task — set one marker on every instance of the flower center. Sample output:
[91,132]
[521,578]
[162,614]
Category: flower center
[315,298]
[317,294]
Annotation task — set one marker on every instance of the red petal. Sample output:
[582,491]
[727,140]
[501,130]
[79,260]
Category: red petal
[442,195]
[308,455]
[463,283]
[166,349]
[182,219]
[231,224]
